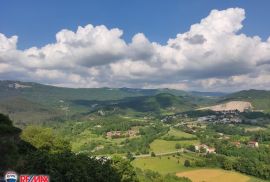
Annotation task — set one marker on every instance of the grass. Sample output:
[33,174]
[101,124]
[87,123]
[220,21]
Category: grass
[169,164]
[213,175]
[253,128]
[179,134]
[84,138]
[162,146]
[163,164]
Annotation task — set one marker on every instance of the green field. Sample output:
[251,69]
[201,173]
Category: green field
[253,128]
[163,164]
[85,138]
[178,134]
[174,165]
[162,146]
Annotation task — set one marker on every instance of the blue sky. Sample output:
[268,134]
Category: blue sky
[204,45]
[36,22]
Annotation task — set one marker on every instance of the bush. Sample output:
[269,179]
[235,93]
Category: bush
[130,156]
[200,163]
[177,146]
[187,163]
[227,164]
[191,148]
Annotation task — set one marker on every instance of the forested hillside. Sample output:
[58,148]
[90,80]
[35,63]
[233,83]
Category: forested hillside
[27,102]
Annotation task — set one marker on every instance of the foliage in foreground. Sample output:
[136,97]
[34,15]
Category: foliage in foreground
[60,163]
[152,176]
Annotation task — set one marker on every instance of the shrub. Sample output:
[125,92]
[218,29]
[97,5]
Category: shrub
[187,163]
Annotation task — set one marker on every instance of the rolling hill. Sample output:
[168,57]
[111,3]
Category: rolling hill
[37,103]
[158,102]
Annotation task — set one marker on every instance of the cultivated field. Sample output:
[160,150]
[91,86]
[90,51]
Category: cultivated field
[216,175]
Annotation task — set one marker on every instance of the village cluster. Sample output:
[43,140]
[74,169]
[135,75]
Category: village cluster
[231,116]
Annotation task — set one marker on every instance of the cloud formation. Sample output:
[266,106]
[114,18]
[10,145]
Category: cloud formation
[212,55]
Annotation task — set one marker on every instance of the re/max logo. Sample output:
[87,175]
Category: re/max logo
[34,178]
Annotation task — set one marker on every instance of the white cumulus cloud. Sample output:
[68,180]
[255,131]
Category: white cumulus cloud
[212,55]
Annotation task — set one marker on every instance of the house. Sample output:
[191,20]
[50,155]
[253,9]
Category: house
[211,150]
[198,147]
[253,144]
[208,149]
[202,119]
[237,144]
[132,133]
[111,134]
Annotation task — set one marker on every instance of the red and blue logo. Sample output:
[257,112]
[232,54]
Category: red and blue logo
[34,178]
[11,176]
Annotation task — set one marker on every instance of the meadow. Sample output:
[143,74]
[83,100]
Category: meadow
[164,164]
[163,146]
[179,134]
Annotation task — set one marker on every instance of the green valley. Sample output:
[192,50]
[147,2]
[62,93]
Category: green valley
[157,134]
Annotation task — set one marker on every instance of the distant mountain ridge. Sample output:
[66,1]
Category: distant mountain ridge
[208,94]
[12,88]
[36,102]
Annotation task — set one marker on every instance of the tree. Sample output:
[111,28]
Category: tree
[124,169]
[151,176]
[67,166]
[137,153]
[130,156]
[202,150]
[45,139]
[191,148]
[173,178]
[187,163]
[227,164]
[6,126]
[177,146]
[62,165]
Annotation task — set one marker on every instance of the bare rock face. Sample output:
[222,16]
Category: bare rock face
[17,86]
[232,105]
